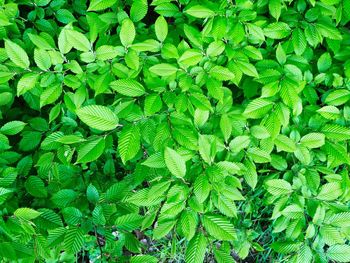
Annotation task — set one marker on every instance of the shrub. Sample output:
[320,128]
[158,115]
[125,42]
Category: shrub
[174,131]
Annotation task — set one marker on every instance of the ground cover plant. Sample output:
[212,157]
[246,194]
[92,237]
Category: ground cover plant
[174,131]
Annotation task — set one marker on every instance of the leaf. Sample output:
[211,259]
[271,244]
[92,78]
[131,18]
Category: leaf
[153,104]
[324,62]
[26,213]
[98,117]
[190,58]
[50,95]
[330,191]
[329,112]
[299,41]
[277,30]
[91,150]
[195,251]
[284,143]
[127,32]
[98,5]
[338,97]
[221,73]
[42,59]
[74,240]
[129,142]
[201,188]
[278,187]
[258,108]
[339,253]
[161,28]
[313,140]
[128,87]
[143,259]
[239,143]
[17,54]
[275,8]
[12,127]
[138,10]
[259,155]
[247,68]
[106,52]
[26,83]
[188,224]
[175,163]
[199,11]
[219,227]
[78,40]
[163,69]
[336,132]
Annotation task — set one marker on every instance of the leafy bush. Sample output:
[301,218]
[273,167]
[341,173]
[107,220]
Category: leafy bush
[174,131]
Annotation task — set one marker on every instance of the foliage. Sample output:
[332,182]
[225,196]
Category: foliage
[171,131]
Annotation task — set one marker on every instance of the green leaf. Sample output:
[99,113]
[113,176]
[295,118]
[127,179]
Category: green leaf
[98,5]
[190,58]
[188,223]
[247,68]
[98,117]
[78,40]
[258,108]
[239,143]
[128,87]
[91,150]
[277,30]
[161,28]
[195,251]
[74,240]
[313,140]
[330,191]
[201,188]
[17,54]
[138,10]
[221,73]
[299,41]
[163,69]
[174,162]
[275,7]
[143,259]
[12,127]
[42,59]
[219,227]
[329,112]
[127,32]
[324,62]
[336,132]
[284,143]
[200,11]
[337,97]
[129,142]
[26,83]
[339,253]
[50,95]
[259,155]
[278,187]
[26,213]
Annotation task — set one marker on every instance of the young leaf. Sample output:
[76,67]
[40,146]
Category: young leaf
[219,227]
[17,54]
[129,143]
[127,32]
[199,11]
[195,251]
[128,87]
[175,163]
[98,117]
[161,27]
